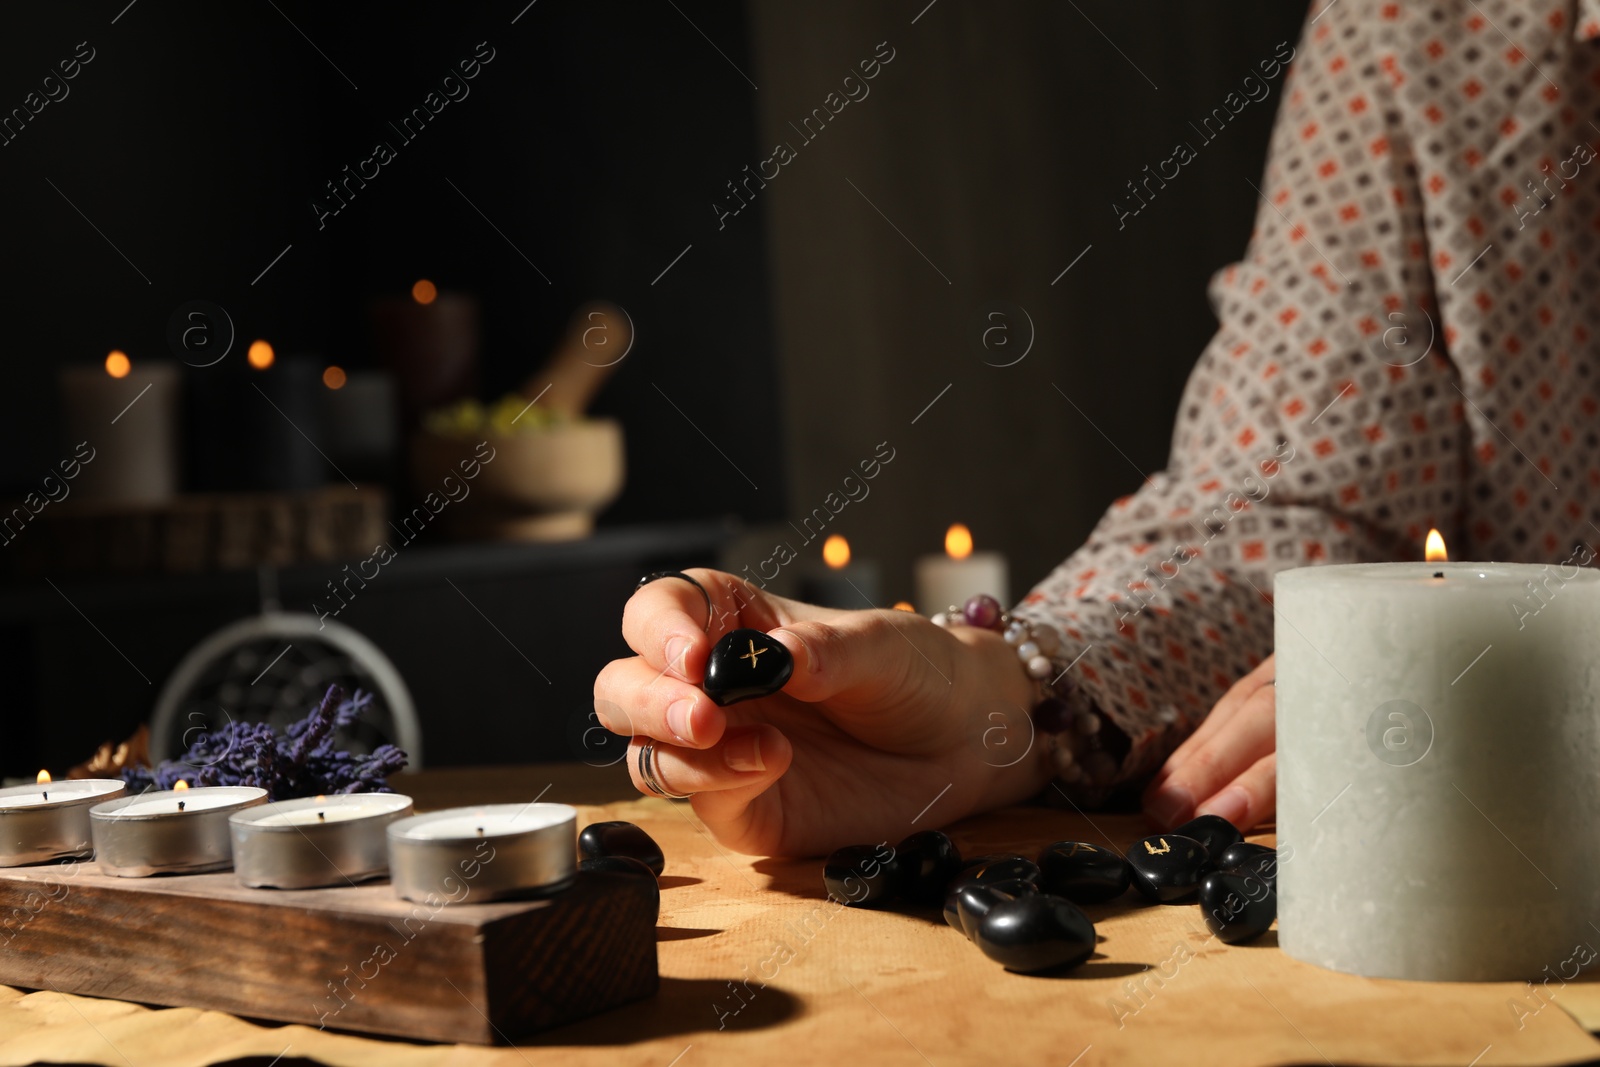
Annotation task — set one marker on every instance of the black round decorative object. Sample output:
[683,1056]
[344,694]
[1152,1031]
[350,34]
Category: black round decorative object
[928,860]
[621,839]
[1083,873]
[1035,932]
[862,874]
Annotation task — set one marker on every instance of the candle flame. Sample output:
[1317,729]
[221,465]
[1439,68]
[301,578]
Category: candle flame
[958,542]
[1435,552]
[836,551]
[904,605]
[260,355]
[118,364]
[180,785]
[44,776]
[424,292]
[334,377]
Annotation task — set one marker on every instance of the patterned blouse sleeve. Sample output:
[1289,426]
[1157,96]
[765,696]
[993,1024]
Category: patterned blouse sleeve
[1320,425]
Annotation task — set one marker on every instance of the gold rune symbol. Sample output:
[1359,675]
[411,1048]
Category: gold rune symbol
[753,653]
[1162,851]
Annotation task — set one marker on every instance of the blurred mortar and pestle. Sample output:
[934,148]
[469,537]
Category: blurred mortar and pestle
[552,468]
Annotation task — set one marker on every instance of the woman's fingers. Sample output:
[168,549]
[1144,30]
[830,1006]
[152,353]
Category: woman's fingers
[1249,799]
[859,653]
[1227,707]
[665,621]
[746,761]
[1225,754]
[635,699]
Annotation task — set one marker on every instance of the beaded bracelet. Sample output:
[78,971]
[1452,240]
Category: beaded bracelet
[1085,747]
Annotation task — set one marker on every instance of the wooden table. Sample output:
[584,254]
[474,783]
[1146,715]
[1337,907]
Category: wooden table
[758,966]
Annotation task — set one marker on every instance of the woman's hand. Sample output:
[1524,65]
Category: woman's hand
[889,724]
[1227,767]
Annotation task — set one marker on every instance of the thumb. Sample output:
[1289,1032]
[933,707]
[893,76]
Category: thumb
[862,653]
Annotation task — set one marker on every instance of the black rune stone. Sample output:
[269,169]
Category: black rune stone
[1166,867]
[1212,831]
[1035,932]
[999,867]
[1083,873]
[621,839]
[744,665]
[1237,907]
[928,860]
[1248,858]
[971,901]
[862,874]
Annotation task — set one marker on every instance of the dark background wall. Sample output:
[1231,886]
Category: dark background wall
[995,143]
[793,337]
[200,135]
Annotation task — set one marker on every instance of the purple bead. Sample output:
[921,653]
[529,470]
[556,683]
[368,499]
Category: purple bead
[1052,716]
[983,611]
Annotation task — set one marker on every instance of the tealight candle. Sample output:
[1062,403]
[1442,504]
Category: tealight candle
[486,853]
[50,821]
[960,573]
[175,831]
[315,841]
[1437,739]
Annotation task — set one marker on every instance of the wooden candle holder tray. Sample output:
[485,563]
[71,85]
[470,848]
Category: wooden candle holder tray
[350,958]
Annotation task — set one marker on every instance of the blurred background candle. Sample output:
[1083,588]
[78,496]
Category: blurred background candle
[960,573]
[360,422]
[429,339]
[255,422]
[839,581]
[128,413]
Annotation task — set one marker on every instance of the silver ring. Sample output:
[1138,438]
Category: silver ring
[653,575]
[647,771]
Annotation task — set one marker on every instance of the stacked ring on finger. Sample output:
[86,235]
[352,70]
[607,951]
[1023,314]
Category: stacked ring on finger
[1086,747]
[651,777]
[654,575]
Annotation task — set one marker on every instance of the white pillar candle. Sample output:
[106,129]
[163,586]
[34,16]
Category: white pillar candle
[315,841]
[131,422]
[50,821]
[960,573]
[485,853]
[175,831]
[1438,739]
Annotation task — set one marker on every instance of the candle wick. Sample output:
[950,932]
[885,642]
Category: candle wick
[47,794]
[322,815]
[1438,574]
[180,805]
[480,831]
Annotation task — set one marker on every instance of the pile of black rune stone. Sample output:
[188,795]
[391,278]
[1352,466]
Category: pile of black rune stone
[1025,913]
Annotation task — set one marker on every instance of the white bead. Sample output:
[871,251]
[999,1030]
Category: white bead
[1087,724]
[1040,667]
[1047,639]
[1027,650]
[941,619]
[1016,633]
[1064,756]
